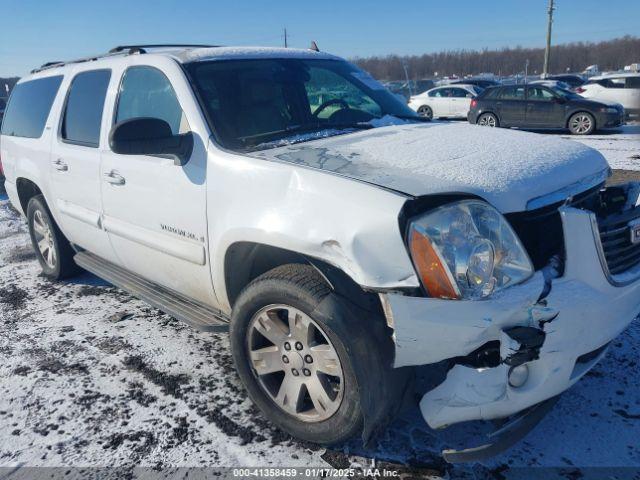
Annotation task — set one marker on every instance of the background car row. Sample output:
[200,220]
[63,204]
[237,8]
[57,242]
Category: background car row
[604,101]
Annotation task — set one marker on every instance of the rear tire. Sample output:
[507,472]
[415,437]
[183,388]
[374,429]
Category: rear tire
[488,120]
[52,249]
[425,111]
[581,123]
[271,314]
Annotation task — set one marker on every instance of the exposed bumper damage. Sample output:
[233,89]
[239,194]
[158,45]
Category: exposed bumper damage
[552,328]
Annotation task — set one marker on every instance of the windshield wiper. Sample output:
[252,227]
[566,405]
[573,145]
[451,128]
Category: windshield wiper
[268,137]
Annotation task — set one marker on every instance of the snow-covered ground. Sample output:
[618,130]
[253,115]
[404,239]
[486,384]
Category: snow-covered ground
[620,146]
[90,376]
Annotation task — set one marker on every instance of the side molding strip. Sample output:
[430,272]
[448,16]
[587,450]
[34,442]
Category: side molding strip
[79,213]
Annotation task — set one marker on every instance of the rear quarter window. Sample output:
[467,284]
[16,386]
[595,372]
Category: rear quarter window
[633,82]
[29,107]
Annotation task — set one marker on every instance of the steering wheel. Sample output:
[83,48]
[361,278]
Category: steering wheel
[328,103]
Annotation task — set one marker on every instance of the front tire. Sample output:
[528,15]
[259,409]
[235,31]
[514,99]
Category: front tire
[52,248]
[297,365]
[488,120]
[581,123]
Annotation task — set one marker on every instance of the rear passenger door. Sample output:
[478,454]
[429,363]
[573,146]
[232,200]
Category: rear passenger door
[154,210]
[460,102]
[511,105]
[75,162]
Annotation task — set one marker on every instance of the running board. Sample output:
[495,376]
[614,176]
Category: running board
[199,316]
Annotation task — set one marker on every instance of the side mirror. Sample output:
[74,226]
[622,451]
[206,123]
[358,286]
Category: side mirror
[561,100]
[150,136]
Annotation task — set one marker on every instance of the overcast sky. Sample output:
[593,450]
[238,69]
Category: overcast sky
[33,32]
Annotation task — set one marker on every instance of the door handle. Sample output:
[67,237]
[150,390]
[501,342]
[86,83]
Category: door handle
[114,178]
[60,165]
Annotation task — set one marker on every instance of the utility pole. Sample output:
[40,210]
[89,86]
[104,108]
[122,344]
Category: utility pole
[547,50]
[286,44]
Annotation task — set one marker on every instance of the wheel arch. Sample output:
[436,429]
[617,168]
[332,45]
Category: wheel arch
[27,189]
[492,112]
[245,261]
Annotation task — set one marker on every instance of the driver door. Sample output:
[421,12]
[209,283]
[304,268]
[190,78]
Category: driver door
[154,210]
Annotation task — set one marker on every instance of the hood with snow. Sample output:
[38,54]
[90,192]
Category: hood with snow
[514,171]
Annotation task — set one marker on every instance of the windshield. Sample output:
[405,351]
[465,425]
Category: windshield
[257,104]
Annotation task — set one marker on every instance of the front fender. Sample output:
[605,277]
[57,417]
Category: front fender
[345,223]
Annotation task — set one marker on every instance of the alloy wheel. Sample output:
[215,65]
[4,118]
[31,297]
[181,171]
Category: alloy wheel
[581,124]
[44,239]
[295,363]
[487,121]
[425,111]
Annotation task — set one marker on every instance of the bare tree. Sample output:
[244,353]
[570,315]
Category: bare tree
[573,57]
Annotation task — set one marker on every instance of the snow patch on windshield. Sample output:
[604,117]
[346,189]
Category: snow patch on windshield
[388,121]
[303,137]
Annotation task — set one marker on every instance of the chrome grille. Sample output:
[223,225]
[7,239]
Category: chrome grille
[615,235]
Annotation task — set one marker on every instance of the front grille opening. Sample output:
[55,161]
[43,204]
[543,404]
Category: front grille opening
[541,234]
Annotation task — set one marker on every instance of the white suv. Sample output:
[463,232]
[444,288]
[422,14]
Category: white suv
[622,88]
[349,245]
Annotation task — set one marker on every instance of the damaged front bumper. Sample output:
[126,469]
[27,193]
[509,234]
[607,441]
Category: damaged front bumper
[553,329]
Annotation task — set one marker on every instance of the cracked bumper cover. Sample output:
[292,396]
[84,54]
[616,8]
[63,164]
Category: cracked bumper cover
[582,313]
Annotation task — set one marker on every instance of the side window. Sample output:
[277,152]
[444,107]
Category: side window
[616,82]
[461,93]
[147,92]
[512,93]
[83,111]
[633,82]
[540,94]
[29,107]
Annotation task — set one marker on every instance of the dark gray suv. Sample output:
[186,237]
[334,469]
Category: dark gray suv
[538,106]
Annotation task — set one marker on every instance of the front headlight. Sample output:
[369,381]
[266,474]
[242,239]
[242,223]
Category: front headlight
[466,250]
[611,110]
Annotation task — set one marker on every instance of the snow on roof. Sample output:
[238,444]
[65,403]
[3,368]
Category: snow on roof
[219,53]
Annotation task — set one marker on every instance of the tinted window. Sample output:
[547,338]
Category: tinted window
[633,82]
[512,93]
[147,92]
[540,94]
[29,107]
[442,92]
[83,112]
[609,82]
[460,93]
[491,93]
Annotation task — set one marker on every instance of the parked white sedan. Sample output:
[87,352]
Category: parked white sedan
[623,88]
[452,101]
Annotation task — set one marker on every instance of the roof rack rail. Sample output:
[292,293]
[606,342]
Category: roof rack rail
[141,48]
[119,50]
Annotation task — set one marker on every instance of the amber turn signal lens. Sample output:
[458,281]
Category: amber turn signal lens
[431,269]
